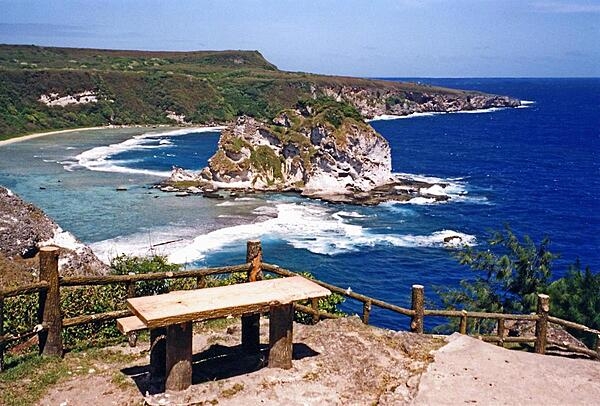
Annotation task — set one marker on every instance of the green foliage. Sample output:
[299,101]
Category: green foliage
[264,159]
[576,297]
[328,304]
[128,265]
[509,277]
[329,111]
[511,274]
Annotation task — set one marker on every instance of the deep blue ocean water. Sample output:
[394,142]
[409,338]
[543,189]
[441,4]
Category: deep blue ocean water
[535,168]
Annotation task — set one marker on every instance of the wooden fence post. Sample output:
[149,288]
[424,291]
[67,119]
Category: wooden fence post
[418,305]
[1,333]
[251,322]
[366,311]
[541,325]
[462,327]
[132,336]
[201,282]
[314,304]
[49,311]
[501,332]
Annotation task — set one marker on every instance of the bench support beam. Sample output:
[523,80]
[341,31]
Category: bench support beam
[179,357]
[280,336]
[158,353]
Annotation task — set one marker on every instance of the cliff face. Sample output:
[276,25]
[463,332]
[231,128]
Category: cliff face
[375,101]
[25,228]
[322,149]
[312,149]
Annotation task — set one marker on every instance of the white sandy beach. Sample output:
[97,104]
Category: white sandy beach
[38,135]
[43,134]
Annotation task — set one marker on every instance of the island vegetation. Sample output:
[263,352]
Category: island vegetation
[511,271]
[47,88]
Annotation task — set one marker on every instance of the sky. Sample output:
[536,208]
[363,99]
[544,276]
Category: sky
[368,38]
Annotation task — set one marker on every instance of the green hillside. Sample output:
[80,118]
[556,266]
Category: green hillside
[140,87]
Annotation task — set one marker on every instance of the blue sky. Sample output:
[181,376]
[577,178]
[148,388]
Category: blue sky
[395,38]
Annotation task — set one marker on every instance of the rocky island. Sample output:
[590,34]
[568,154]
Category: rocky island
[322,149]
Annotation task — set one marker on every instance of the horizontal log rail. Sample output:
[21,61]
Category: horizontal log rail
[112,279]
[574,326]
[5,339]
[345,292]
[48,289]
[497,339]
[24,289]
[320,314]
[479,315]
[575,349]
[94,318]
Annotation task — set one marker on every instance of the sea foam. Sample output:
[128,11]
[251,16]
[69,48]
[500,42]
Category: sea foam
[98,158]
[314,228]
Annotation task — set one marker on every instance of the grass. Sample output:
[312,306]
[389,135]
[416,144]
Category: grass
[231,392]
[28,377]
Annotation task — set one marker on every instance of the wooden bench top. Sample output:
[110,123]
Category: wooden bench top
[235,300]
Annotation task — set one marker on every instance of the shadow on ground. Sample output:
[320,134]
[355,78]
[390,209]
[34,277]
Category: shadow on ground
[213,364]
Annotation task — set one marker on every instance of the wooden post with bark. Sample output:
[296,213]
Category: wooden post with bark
[251,322]
[280,336]
[132,336]
[541,325]
[418,306]
[366,311]
[158,353]
[314,304]
[178,363]
[462,327]
[501,332]
[49,315]
[200,282]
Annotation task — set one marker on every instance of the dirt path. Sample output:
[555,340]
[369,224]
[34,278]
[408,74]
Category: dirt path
[469,371]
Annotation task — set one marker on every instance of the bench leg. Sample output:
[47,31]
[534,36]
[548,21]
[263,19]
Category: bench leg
[251,333]
[280,336]
[179,357]
[158,347]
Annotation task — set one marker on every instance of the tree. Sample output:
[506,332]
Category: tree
[510,274]
[576,297]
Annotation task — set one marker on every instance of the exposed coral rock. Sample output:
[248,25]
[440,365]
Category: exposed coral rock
[25,228]
[322,149]
[372,102]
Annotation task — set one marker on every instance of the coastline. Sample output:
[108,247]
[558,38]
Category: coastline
[20,138]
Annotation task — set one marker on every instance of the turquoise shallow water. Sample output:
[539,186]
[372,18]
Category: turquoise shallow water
[536,168]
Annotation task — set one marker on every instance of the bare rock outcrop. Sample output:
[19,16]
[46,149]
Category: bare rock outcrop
[372,101]
[322,149]
[25,228]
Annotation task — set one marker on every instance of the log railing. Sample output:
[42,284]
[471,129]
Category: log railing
[50,322]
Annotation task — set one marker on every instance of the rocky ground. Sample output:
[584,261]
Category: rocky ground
[25,228]
[340,362]
[335,362]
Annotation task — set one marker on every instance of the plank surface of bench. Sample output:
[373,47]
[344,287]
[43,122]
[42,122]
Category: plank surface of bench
[235,300]
[128,324]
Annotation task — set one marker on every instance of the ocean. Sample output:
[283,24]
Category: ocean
[535,168]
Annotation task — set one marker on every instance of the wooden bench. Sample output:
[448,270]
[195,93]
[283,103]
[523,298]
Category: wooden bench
[129,326]
[170,316]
